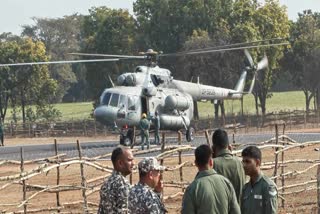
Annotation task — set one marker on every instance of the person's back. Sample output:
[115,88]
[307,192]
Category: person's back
[210,193]
[225,163]
[230,167]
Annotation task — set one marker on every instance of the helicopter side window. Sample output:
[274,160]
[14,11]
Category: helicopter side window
[114,100]
[122,101]
[106,99]
[131,103]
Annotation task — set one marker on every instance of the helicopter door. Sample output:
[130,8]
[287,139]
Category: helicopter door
[144,108]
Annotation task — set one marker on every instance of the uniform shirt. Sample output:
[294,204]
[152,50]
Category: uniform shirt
[143,200]
[156,122]
[114,194]
[230,167]
[145,125]
[210,193]
[259,198]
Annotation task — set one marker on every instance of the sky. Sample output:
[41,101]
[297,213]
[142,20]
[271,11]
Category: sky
[16,13]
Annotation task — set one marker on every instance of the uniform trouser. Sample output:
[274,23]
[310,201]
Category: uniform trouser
[156,136]
[145,137]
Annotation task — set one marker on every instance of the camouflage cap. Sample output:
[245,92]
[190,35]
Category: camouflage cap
[149,163]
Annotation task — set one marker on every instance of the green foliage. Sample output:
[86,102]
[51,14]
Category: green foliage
[107,31]
[27,85]
[60,36]
[302,60]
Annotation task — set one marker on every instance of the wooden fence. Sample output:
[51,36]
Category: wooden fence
[71,185]
[90,127]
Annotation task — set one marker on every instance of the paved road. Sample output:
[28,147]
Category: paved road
[91,149]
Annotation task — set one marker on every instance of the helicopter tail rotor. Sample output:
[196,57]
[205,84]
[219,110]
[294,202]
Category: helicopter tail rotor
[259,66]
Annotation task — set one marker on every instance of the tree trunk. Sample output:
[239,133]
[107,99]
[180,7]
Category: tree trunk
[256,104]
[23,108]
[216,112]
[195,110]
[317,99]
[223,113]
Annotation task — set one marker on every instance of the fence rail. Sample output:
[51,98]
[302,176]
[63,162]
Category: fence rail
[90,127]
[294,180]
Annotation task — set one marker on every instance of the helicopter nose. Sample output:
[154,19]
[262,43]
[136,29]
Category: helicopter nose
[105,115]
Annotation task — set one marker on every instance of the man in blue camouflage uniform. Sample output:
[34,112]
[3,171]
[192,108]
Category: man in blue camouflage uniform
[114,192]
[145,196]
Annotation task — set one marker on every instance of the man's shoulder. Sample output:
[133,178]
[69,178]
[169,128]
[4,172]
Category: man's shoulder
[139,189]
[267,181]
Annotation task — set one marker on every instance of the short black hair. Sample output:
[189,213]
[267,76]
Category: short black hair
[116,154]
[203,154]
[220,139]
[252,152]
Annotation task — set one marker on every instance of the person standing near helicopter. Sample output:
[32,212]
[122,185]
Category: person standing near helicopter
[156,122]
[144,126]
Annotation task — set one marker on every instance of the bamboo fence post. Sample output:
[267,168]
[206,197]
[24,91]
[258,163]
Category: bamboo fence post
[83,180]
[180,159]
[207,137]
[318,187]
[58,174]
[282,166]
[24,190]
[276,156]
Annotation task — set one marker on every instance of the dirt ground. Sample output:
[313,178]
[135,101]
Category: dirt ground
[303,202]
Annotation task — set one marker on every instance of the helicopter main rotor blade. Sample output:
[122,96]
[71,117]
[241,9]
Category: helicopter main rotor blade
[263,63]
[230,45]
[226,49]
[58,62]
[248,55]
[109,55]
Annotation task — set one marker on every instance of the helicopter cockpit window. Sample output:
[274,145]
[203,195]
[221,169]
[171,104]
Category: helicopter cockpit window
[114,100]
[122,101]
[106,98]
[132,100]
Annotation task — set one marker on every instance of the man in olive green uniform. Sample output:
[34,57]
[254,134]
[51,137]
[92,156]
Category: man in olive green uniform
[225,163]
[259,195]
[209,192]
[144,126]
[156,121]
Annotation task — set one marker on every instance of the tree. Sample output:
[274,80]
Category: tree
[167,25]
[61,36]
[272,22]
[25,85]
[301,60]
[107,31]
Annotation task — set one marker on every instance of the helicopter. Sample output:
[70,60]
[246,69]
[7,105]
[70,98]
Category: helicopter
[150,88]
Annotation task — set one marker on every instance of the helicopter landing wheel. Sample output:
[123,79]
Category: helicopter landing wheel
[190,134]
[127,139]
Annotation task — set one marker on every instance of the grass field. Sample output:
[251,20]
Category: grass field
[280,101]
